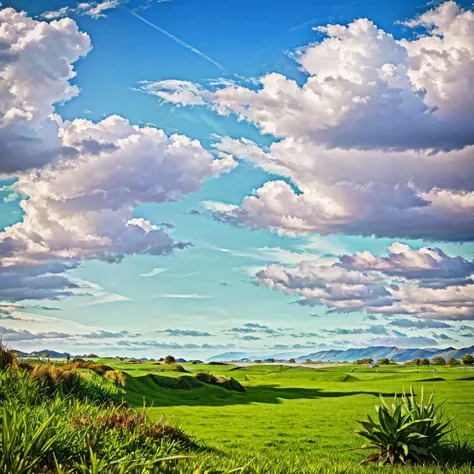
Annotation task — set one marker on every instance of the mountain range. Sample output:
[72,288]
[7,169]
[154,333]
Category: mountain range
[350,355]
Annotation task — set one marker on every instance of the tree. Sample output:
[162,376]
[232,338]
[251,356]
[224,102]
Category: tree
[368,360]
[424,361]
[438,360]
[169,359]
[292,361]
[467,359]
[452,361]
[383,361]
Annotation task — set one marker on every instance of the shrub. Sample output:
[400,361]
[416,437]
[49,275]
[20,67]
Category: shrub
[7,357]
[292,361]
[228,383]
[55,378]
[405,431]
[467,359]
[368,360]
[178,368]
[438,360]
[452,361]
[116,376]
[169,359]
[383,361]
[206,377]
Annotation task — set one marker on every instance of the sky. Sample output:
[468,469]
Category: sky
[203,177]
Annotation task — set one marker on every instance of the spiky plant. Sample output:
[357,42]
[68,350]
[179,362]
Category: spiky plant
[405,431]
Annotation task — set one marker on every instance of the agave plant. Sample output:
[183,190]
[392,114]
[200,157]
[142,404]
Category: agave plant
[407,430]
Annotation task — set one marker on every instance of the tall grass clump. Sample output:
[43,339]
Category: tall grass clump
[59,419]
[405,431]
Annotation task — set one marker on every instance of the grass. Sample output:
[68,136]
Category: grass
[289,419]
[297,419]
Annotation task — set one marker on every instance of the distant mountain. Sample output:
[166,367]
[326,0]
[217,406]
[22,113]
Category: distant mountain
[378,352]
[350,355]
[44,354]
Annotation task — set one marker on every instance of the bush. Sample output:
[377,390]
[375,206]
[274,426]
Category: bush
[7,357]
[206,377]
[467,359]
[117,377]
[405,431]
[169,359]
[292,361]
[228,383]
[438,360]
[178,368]
[368,360]
[383,361]
[452,361]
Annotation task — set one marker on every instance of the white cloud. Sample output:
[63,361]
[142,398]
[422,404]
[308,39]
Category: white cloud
[95,10]
[154,272]
[176,92]
[36,66]
[79,205]
[424,283]
[194,296]
[377,141]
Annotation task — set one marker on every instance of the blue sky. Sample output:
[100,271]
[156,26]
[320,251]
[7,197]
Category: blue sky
[216,285]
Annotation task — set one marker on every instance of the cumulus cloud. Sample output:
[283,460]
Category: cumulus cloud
[400,284]
[431,265]
[377,141]
[78,202]
[36,66]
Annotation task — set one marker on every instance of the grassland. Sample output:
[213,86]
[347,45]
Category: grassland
[295,419]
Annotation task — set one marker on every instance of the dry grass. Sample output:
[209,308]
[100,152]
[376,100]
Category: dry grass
[7,357]
[116,376]
[100,369]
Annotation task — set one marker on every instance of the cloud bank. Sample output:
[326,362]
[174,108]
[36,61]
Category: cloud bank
[377,141]
[425,283]
[80,180]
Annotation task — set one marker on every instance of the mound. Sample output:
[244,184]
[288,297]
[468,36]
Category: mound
[350,378]
[225,382]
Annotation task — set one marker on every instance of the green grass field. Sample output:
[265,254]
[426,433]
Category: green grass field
[295,419]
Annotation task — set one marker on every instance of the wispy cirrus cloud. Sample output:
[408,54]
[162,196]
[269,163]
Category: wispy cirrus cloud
[194,296]
[184,332]
[154,272]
